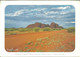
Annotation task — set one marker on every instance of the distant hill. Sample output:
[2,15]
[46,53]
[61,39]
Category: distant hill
[41,25]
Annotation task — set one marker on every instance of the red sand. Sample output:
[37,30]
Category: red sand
[58,41]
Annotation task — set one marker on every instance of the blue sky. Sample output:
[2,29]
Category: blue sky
[17,16]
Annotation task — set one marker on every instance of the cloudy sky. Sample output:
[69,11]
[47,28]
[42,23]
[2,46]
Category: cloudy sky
[23,15]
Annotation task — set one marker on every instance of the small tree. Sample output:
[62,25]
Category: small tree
[71,29]
[22,29]
[36,29]
[47,29]
[29,29]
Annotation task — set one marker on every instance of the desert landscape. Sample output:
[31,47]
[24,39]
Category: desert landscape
[40,38]
[39,28]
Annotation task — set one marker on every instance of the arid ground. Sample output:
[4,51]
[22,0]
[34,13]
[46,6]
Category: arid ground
[46,41]
[39,28]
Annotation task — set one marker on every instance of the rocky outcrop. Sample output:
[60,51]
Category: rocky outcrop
[52,25]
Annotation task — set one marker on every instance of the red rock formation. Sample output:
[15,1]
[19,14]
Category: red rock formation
[52,25]
[42,25]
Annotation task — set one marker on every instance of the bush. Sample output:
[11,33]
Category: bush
[29,29]
[12,33]
[10,29]
[22,29]
[36,29]
[40,39]
[39,51]
[47,29]
[71,29]
[55,29]
[29,43]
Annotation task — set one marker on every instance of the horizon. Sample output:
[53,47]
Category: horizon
[38,22]
[22,15]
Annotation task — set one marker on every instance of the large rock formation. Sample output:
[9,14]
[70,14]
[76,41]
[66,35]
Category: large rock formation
[52,25]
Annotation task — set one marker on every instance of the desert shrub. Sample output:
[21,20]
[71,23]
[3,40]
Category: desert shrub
[39,51]
[39,39]
[29,29]
[36,29]
[49,43]
[22,29]
[10,29]
[55,29]
[21,50]
[26,47]
[47,38]
[29,43]
[12,33]
[27,50]
[47,29]
[71,29]
[62,46]
[36,44]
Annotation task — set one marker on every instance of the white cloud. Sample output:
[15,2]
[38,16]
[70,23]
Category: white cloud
[39,9]
[51,12]
[22,11]
[64,12]
[36,12]
[50,16]
[10,14]
[44,15]
[45,20]
[70,22]
[17,13]
[66,7]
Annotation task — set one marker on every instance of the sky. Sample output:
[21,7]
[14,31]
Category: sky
[17,16]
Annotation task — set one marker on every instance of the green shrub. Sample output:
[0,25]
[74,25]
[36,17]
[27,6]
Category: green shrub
[36,44]
[49,43]
[26,47]
[10,29]
[29,43]
[21,51]
[55,29]
[22,29]
[27,50]
[47,38]
[29,29]
[12,33]
[40,39]
[47,29]
[36,29]
[71,29]
[39,51]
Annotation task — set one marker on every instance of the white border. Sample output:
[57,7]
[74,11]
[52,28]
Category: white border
[76,52]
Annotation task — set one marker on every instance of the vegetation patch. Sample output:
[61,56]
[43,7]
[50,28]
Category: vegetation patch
[12,33]
[47,29]
[27,50]
[26,47]
[39,51]
[36,44]
[36,29]
[71,29]
[30,43]
[39,39]
[47,38]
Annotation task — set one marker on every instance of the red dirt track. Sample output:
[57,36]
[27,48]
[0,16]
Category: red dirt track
[58,41]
